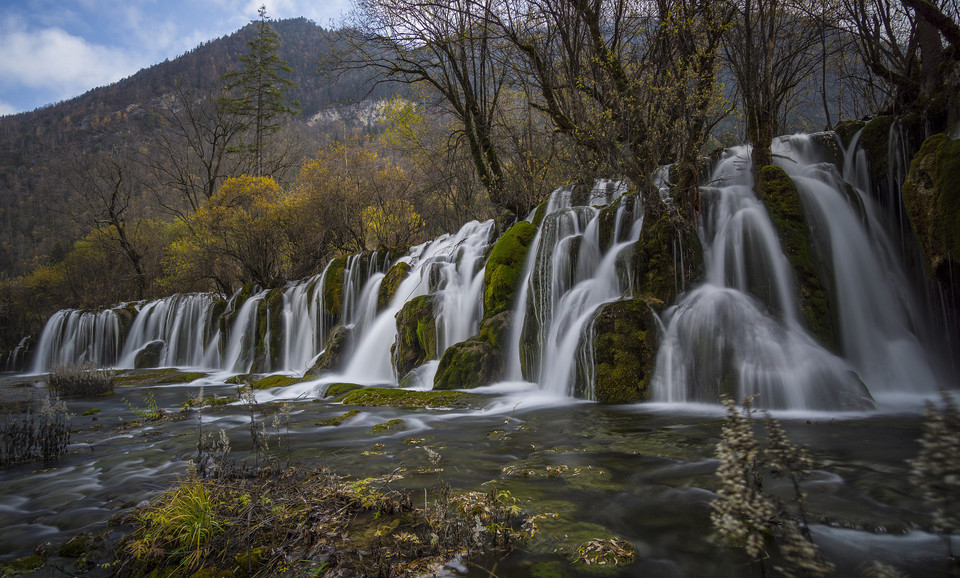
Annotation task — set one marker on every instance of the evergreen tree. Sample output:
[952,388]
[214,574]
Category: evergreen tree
[259,89]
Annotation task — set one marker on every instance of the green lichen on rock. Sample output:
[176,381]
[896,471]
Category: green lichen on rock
[667,258]
[782,200]
[390,283]
[395,397]
[931,195]
[875,140]
[416,335]
[338,389]
[505,267]
[337,420]
[271,381]
[334,355]
[625,351]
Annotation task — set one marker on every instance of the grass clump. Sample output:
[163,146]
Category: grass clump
[84,379]
[31,428]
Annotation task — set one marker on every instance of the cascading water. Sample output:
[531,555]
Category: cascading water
[181,322]
[568,277]
[451,266]
[304,324]
[739,332]
[72,336]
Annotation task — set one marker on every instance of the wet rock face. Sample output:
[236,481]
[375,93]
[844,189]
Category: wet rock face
[782,200]
[477,361]
[390,284]
[416,335]
[931,195]
[335,355]
[625,351]
[667,259]
[504,268]
[150,356]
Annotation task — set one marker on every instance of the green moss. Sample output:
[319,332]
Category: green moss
[625,352]
[390,283]
[505,266]
[21,566]
[874,140]
[416,335]
[91,411]
[666,259]
[335,421]
[846,129]
[540,213]
[394,397]
[469,364]
[333,287]
[783,203]
[339,345]
[393,424]
[338,389]
[272,381]
[931,195]
[76,546]
[167,375]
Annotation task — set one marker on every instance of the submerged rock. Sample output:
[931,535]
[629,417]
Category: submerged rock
[416,335]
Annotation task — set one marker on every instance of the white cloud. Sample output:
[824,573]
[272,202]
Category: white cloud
[52,59]
[7,109]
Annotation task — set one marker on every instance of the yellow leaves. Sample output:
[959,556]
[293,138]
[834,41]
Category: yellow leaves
[393,223]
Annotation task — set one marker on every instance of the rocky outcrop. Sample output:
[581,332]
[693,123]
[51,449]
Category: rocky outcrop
[416,335]
[504,268]
[667,259]
[477,361]
[150,355]
[782,200]
[390,283]
[624,351]
[931,195]
[334,355]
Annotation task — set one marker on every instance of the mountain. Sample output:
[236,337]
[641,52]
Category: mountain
[36,147]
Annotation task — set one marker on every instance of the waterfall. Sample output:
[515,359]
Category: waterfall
[241,346]
[182,322]
[739,333]
[304,324]
[567,277]
[72,336]
[450,267]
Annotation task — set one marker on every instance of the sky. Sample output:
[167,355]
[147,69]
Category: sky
[54,50]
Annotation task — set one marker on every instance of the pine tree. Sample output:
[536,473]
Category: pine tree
[257,92]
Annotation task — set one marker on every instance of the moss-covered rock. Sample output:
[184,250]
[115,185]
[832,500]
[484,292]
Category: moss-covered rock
[625,351]
[608,219]
[667,259]
[416,335]
[395,397]
[338,389]
[875,140]
[271,381]
[469,364]
[269,332]
[21,566]
[333,287]
[390,284]
[334,355]
[390,425]
[165,376]
[337,420]
[847,129]
[829,147]
[150,355]
[504,267]
[125,318]
[931,195]
[540,213]
[782,200]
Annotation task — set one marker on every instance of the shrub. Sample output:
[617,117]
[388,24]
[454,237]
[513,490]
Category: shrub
[84,379]
[32,428]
